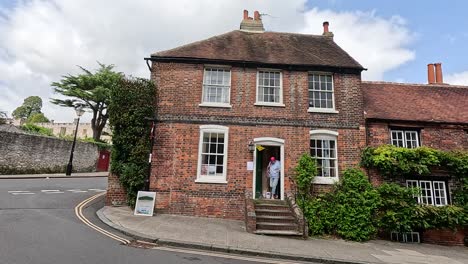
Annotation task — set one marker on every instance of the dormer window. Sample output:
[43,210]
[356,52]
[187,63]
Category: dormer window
[405,138]
[321,93]
[216,87]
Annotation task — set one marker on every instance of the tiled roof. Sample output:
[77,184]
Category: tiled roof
[416,102]
[267,48]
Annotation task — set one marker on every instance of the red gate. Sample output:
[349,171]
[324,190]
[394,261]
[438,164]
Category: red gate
[103,161]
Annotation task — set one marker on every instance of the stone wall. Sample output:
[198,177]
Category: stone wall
[24,154]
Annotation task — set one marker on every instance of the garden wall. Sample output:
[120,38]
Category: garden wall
[28,154]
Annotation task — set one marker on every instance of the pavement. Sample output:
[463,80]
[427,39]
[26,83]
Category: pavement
[230,236]
[56,175]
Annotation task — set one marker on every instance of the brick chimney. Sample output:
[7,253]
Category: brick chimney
[430,73]
[438,73]
[326,32]
[252,24]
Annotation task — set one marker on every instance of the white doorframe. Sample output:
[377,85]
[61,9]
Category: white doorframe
[269,141]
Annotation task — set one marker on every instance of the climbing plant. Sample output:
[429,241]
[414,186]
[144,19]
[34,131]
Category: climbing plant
[131,103]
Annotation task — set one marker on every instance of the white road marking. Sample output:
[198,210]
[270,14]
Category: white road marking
[96,190]
[22,193]
[53,192]
[19,191]
[77,191]
[50,190]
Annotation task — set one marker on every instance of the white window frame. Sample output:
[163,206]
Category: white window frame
[206,178]
[216,104]
[432,185]
[319,109]
[326,135]
[261,103]
[404,137]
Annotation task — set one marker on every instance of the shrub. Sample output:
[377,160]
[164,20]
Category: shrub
[131,103]
[397,209]
[449,216]
[34,129]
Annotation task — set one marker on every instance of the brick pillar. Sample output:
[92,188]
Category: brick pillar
[116,195]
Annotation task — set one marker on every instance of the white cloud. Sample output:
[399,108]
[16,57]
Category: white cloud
[460,78]
[379,44]
[43,40]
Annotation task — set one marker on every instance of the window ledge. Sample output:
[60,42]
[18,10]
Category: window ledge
[215,181]
[322,110]
[270,104]
[220,105]
[325,180]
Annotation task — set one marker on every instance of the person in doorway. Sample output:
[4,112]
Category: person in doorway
[273,171]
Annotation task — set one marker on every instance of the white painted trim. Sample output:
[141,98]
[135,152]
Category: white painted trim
[270,141]
[325,180]
[322,110]
[215,129]
[323,131]
[280,103]
[220,105]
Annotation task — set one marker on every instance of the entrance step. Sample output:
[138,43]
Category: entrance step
[276,226]
[278,232]
[275,217]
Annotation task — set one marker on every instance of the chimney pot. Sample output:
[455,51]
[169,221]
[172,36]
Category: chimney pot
[430,73]
[257,16]
[438,73]
[325,27]
[246,14]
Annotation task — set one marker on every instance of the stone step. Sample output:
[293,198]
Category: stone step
[270,201]
[278,232]
[276,219]
[276,226]
[273,212]
[272,207]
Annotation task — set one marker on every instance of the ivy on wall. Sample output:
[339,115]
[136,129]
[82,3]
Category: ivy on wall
[131,104]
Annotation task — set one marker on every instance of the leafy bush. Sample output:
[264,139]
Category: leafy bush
[131,102]
[31,128]
[305,172]
[348,211]
[355,204]
[449,216]
[397,208]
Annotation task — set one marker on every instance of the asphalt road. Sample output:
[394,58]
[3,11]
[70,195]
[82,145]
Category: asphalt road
[38,225]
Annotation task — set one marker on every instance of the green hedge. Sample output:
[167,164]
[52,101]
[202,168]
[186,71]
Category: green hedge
[130,104]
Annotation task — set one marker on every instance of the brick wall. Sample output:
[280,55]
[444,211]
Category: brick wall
[24,154]
[445,236]
[175,161]
[116,194]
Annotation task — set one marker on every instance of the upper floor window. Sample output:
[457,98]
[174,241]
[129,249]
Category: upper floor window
[212,154]
[269,87]
[431,192]
[323,148]
[405,138]
[216,87]
[321,94]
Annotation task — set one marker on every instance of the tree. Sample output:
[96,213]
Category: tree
[3,117]
[90,91]
[37,118]
[31,105]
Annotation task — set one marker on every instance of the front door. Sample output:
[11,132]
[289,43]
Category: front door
[265,148]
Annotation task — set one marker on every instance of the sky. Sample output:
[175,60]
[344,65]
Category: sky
[43,40]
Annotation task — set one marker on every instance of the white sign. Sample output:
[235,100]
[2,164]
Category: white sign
[250,165]
[145,203]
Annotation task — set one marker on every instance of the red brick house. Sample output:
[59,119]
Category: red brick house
[228,103]
[414,115]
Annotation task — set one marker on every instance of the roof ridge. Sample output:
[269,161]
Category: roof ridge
[441,85]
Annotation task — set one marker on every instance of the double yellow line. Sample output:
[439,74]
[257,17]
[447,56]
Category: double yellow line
[79,213]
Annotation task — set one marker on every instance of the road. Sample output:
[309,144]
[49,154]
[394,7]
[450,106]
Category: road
[38,225]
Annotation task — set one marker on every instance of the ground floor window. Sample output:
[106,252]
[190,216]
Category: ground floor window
[323,148]
[212,154]
[431,192]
